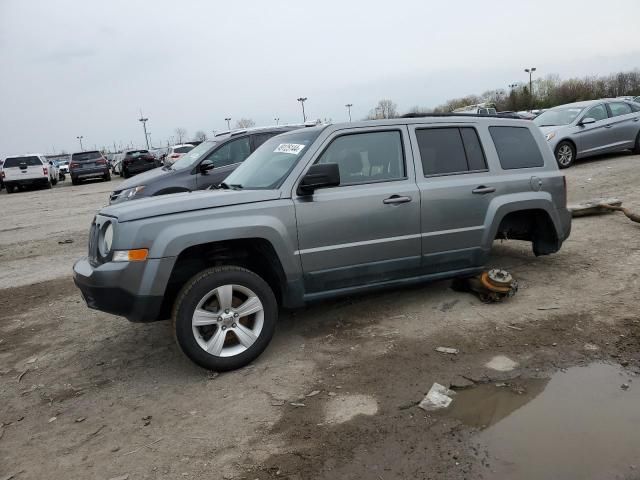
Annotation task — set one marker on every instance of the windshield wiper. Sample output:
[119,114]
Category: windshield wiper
[548,125]
[233,186]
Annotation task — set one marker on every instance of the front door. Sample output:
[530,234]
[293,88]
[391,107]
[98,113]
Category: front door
[598,137]
[367,230]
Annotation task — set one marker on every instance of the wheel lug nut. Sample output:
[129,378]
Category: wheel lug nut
[226,310]
[219,319]
[235,315]
[224,328]
[234,325]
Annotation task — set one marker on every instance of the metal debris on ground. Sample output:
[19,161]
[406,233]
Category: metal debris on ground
[492,286]
[450,351]
[437,398]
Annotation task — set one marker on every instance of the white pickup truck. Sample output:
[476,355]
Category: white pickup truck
[28,170]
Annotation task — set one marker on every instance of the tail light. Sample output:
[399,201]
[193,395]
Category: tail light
[102,161]
[45,170]
[2,173]
[175,155]
[73,165]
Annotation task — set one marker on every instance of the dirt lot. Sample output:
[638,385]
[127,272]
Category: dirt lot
[87,395]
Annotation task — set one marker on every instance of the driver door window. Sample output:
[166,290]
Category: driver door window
[235,151]
[599,112]
[367,157]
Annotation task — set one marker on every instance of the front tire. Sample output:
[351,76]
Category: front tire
[10,188]
[636,147]
[125,173]
[565,154]
[224,317]
[107,177]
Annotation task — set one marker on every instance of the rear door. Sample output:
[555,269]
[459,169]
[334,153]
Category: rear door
[625,124]
[226,159]
[367,230]
[28,167]
[456,188]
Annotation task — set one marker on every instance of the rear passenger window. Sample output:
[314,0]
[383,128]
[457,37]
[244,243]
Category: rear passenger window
[450,150]
[366,157]
[516,147]
[618,109]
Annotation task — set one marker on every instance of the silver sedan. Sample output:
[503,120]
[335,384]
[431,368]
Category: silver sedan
[583,129]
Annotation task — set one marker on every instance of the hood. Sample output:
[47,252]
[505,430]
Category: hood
[142,178]
[555,128]
[185,202]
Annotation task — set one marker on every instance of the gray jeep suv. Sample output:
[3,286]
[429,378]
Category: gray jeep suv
[321,212]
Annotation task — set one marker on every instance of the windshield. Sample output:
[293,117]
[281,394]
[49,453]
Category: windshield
[192,157]
[557,116]
[269,165]
[137,153]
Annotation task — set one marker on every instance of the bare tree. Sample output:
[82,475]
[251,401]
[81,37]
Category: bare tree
[245,123]
[181,133]
[385,109]
[200,136]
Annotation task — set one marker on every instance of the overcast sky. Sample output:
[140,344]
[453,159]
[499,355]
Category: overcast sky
[85,67]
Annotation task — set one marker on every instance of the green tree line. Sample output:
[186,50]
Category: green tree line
[548,92]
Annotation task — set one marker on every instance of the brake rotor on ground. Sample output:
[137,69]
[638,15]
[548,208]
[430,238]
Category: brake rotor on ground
[491,286]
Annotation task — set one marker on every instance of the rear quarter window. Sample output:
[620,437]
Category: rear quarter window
[516,147]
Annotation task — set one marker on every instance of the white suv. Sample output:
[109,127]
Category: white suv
[28,170]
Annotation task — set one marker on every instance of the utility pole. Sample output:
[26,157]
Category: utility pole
[277,119]
[80,140]
[228,120]
[349,105]
[144,126]
[149,143]
[530,72]
[304,115]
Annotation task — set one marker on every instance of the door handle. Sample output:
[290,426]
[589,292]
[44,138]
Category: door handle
[482,189]
[608,126]
[395,199]
[636,119]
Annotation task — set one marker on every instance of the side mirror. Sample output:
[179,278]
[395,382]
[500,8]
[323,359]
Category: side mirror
[205,166]
[587,121]
[321,175]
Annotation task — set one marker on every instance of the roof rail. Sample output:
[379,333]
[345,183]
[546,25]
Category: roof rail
[420,115]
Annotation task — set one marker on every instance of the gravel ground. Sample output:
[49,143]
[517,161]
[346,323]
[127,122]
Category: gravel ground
[87,395]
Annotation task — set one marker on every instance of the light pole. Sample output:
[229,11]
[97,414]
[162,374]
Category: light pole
[304,115]
[80,140]
[149,143]
[530,72]
[228,120]
[277,119]
[144,126]
[349,105]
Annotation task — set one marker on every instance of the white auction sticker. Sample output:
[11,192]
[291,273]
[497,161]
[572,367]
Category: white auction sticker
[294,148]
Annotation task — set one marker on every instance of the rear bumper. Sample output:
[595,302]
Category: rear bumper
[27,181]
[90,172]
[131,290]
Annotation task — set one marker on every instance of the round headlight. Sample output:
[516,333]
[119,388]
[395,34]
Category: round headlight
[107,239]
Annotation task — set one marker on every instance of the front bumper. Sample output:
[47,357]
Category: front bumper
[134,290]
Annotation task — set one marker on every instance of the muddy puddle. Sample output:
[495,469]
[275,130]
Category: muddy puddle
[579,424]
